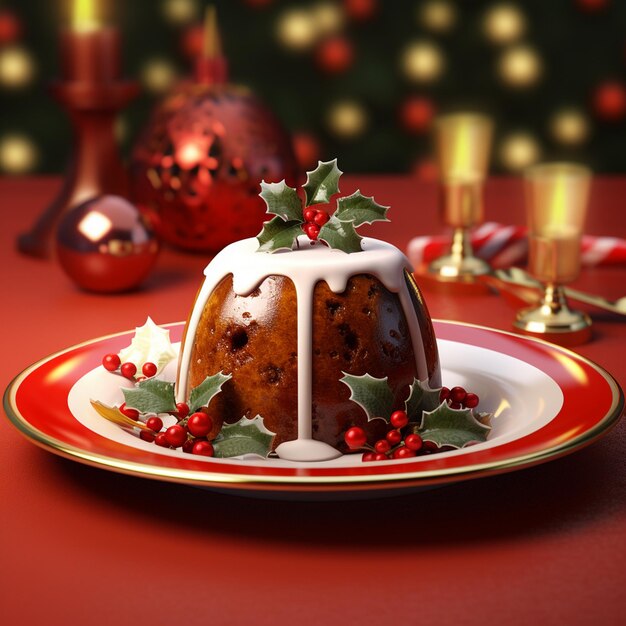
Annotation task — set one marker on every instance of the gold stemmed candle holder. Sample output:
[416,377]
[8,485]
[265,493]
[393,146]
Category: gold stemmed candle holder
[556,204]
[462,147]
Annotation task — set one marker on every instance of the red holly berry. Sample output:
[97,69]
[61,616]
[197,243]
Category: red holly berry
[146,435]
[457,394]
[382,445]
[379,456]
[149,369]
[443,394]
[456,405]
[368,456]
[399,419]
[161,440]
[471,400]
[312,231]
[403,453]
[182,410]
[430,446]
[203,448]
[394,437]
[355,437]
[176,435]
[110,362]
[321,217]
[413,442]
[154,423]
[128,412]
[309,215]
[128,370]
[188,445]
[199,424]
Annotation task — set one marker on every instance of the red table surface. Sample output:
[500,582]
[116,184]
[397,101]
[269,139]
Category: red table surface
[82,545]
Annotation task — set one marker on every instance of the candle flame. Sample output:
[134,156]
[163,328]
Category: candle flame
[212,45]
[85,16]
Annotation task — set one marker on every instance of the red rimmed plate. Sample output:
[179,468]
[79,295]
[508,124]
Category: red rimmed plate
[547,402]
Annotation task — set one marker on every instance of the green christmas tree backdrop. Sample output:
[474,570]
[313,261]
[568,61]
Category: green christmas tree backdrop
[361,79]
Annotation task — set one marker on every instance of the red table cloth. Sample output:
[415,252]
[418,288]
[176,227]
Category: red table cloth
[80,545]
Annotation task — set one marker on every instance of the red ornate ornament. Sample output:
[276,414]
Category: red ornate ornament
[197,166]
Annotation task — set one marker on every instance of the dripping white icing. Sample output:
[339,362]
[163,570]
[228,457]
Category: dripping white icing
[305,267]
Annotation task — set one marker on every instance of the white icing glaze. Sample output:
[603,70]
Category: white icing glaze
[310,264]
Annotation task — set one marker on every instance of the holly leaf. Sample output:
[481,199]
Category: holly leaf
[421,398]
[372,394]
[282,200]
[151,396]
[247,436]
[278,235]
[360,209]
[452,427]
[202,394]
[322,182]
[340,235]
[113,414]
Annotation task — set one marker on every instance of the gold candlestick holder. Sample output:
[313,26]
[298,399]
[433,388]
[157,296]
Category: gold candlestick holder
[556,203]
[463,147]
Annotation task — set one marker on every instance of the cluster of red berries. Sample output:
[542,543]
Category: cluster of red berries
[190,433]
[112,363]
[458,398]
[395,445]
[314,219]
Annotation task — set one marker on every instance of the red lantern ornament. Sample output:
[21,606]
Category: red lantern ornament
[360,10]
[609,101]
[416,114]
[10,27]
[334,55]
[592,6]
[197,166]
[104,245]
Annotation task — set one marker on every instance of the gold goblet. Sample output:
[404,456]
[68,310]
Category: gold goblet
[462,146]
[556,204]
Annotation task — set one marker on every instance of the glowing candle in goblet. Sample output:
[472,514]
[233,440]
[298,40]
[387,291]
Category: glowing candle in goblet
[463,147]
[556,199]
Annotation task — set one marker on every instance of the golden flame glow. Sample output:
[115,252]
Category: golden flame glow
[463,146]
[85,16]
[95,225]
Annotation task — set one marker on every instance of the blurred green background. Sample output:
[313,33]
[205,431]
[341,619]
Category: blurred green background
[359,79]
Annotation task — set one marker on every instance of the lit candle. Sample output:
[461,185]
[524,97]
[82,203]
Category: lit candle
[90,51]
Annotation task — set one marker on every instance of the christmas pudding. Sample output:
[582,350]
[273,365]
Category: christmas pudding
[297,315]
[303,343]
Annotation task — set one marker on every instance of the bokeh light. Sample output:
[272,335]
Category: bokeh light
[180,11]
[518,151]
[347,119]
[423,62]
[158,75]
[18,154]
[520,66]
[569,127]
[504,23]
[297,29]
[17,67]
[437,15]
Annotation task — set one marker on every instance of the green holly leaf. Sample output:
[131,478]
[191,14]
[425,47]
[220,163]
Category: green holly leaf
[244,437]
[452,427]
[340,235]
[151,396]
[202,394]
[421,398]
[282,200]
[372,394]
[322,182]
[278,235]
[360,209]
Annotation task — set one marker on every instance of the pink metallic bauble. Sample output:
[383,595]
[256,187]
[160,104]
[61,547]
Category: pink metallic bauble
[105,245]
[198,165]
